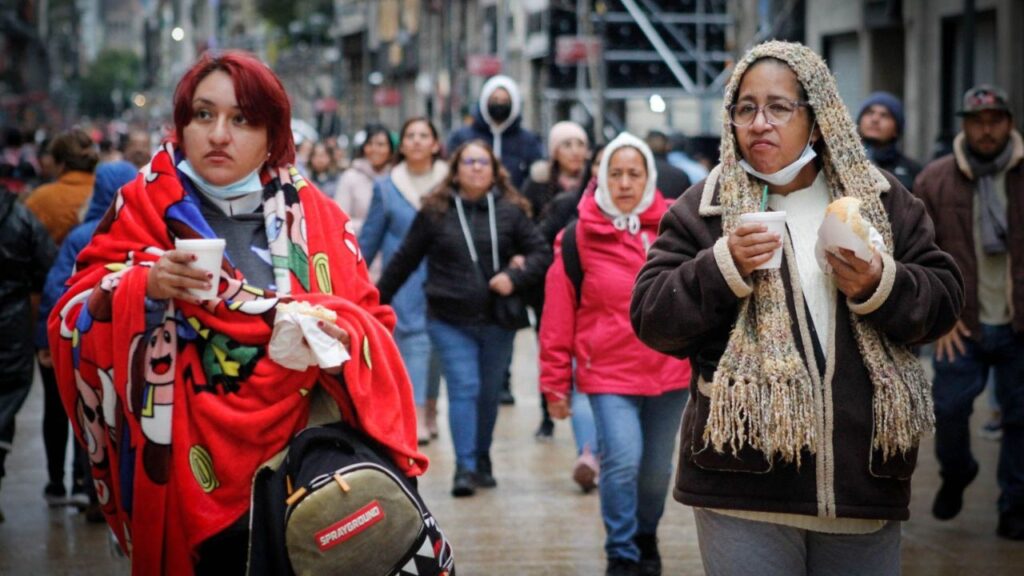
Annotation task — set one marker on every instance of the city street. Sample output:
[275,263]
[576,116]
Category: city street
[536,522]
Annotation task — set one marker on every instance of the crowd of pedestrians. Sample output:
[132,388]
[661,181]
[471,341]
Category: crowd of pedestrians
[793,396]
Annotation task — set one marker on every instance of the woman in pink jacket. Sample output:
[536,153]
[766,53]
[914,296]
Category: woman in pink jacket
[637,394]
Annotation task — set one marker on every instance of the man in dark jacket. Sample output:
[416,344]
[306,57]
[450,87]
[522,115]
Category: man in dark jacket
[672,181]
[26,252]
[497,122]
[880,124]
[976,198]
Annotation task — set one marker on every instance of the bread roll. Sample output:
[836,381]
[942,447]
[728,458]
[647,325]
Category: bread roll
[305,308]
[847,209]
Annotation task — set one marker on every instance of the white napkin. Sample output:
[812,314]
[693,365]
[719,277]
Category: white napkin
[834,234]
[298,343]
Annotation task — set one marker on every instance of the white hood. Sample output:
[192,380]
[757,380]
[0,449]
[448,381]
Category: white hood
[604,197]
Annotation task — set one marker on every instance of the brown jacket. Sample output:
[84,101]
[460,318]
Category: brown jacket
[685,303]
[57,204]
[947,190]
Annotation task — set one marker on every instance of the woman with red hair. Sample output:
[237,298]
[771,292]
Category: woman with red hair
[180,399]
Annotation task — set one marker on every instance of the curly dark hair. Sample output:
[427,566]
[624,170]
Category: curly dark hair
[439,199]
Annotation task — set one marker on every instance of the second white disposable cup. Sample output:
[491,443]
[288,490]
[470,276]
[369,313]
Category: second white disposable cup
[776,222]
[209,255]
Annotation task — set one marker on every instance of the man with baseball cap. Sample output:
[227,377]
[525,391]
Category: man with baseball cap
[880,125]
[975,196]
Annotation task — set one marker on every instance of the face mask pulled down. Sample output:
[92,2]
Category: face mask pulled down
[786,174]
[247,185]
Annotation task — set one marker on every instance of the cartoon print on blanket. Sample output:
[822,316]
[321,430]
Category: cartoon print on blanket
[178,411]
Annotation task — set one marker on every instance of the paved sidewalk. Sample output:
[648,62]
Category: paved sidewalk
[536,522]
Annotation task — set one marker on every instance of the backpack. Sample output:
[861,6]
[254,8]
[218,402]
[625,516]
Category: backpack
[337,504]
[571,259]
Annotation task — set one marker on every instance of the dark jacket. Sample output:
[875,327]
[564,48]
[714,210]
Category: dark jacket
[456,291]
[948,194]
[519,147]
[671,180]
[26,253]
[890,158]
[683,305]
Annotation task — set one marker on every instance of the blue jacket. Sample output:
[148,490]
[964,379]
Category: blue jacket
[519,147]
[385,227]
[110,176]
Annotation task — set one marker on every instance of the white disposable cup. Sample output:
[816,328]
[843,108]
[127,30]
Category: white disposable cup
[209,254]
[776,223]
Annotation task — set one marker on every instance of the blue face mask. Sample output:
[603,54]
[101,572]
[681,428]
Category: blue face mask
[243,187]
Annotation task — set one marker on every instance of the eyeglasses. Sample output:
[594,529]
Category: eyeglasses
[777,113]
[481,162]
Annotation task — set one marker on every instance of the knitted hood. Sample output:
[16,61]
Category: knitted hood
[842,155]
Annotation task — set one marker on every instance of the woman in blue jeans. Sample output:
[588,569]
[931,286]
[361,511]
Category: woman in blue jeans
[637,394]
[396,199]
[469,229]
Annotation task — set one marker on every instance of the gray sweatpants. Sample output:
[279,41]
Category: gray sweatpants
[736,547]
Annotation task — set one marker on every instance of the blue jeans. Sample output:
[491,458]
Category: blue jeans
[637,435]
[958,383]
[583,428]
[474,360]
[415,350]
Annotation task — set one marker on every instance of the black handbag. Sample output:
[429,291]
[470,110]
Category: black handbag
[509,312]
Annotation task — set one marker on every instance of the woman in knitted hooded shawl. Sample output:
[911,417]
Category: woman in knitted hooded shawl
[802,430]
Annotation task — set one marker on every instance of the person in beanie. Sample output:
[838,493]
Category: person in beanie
[636,394]
[880,125]
[567,147]
[976,198]
[498,122]
[563,173]
[808,404]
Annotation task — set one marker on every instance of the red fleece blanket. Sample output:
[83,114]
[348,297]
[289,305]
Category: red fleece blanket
[178,412]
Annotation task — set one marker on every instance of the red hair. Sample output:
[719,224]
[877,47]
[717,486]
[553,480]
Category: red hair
[260,94]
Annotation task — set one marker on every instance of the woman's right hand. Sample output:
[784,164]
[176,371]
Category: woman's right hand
[173,275]
[752,245]
[559,409]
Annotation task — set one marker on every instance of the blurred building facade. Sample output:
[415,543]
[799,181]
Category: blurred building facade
[916,50]
[608,64]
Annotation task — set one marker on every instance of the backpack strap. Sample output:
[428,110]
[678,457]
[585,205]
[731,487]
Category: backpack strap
[571,259]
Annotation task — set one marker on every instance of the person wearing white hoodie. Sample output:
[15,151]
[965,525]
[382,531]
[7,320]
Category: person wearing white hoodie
[498,122]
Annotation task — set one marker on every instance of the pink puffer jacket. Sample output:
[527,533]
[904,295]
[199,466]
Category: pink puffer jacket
[609,357]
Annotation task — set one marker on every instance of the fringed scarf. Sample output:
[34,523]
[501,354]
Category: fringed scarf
[762,394]
[177,418]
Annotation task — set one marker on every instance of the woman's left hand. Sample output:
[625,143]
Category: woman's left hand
[502,284]
[854,277]
[336,332]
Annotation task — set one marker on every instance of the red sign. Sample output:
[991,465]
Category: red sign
[483,65]
[387,97]
[572,50]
